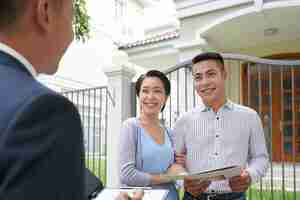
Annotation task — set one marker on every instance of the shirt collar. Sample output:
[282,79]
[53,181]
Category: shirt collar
[5,48]
[228,105]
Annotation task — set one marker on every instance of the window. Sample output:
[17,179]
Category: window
[120,9]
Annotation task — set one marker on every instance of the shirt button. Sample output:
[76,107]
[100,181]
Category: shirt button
[217,118]
[217,136]
[216,153]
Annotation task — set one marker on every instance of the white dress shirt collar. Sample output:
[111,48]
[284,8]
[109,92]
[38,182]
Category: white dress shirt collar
[228,104]
[5,48]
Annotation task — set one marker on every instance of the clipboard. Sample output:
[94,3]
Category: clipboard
[211,175]
[149,193]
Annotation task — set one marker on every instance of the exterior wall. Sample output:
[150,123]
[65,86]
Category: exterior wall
[119,85]
[135,8]
[287,46]
[233,81]
[160,55]
[134,21]
[191,25]
[189,30]
[190,42]
[188,8]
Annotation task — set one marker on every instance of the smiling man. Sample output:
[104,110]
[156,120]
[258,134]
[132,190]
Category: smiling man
[219,134]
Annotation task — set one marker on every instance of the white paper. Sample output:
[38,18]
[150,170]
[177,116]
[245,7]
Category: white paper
[149,194]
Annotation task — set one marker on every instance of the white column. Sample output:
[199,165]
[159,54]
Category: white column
[120,76]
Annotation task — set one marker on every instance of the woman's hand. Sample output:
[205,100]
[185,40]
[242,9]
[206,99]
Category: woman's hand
[175,169]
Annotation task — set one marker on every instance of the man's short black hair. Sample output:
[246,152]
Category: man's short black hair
[208,56]
[10,11]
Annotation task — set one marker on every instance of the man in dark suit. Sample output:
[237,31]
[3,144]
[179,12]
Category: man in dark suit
[41,140]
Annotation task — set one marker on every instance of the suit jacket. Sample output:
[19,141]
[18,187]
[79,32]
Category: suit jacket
[41,139]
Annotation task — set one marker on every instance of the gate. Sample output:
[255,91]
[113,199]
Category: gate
[93,105]
[272,88]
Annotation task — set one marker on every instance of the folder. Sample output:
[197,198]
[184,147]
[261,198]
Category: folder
[210,175]
[149,193]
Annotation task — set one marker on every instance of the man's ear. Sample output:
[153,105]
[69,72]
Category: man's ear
[43,15]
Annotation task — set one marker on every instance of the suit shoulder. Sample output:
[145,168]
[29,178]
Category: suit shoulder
[41,100]
[49,98]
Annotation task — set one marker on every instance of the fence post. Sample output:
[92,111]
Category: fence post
[119,76]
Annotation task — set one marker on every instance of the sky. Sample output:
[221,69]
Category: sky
[84,61]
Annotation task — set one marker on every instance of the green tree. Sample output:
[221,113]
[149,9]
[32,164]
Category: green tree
[81,21]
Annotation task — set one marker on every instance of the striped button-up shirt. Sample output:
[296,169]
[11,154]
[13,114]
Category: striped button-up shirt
[232,136]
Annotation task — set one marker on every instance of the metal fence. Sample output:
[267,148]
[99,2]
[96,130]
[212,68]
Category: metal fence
[272,88]
[93,105]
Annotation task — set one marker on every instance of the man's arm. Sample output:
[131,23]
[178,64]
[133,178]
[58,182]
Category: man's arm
[43,152]
[258,156]
[178,134]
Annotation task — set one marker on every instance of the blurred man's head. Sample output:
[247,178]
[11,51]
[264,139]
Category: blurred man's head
[10,12]
[41,30]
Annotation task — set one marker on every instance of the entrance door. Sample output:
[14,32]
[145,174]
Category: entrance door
[274,92]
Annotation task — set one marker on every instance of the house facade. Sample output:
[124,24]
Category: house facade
[260,29]
[111,23]
[256,30]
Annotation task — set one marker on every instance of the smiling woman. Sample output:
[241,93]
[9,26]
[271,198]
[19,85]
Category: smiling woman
[156,82]
[146,147]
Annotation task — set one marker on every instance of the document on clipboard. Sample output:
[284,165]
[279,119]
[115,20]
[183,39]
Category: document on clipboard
[149,194]
[211,175]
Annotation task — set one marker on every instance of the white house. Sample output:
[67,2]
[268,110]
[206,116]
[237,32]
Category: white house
[112,22]
[254,29]
[260,28]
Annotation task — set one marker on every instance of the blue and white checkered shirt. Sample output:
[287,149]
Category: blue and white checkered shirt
[232,136]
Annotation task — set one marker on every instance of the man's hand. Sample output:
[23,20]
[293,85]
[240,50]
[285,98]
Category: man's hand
[195,187]
[137,195]
[180,158]
[240,183]
[122,196]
